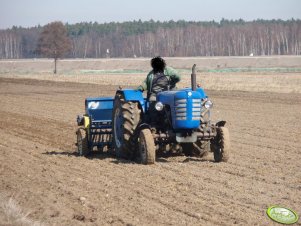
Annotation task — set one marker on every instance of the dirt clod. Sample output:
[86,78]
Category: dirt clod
[79,217]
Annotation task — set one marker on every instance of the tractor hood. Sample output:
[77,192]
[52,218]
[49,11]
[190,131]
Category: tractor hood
[185,106]
[169,96]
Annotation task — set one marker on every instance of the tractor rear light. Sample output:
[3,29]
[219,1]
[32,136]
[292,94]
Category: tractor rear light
[159,106]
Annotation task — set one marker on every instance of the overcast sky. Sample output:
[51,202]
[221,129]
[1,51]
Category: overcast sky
[29,13]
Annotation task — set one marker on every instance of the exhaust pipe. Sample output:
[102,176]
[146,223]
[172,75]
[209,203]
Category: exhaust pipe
[193,78]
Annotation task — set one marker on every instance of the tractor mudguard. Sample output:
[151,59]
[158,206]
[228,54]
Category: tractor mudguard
[144,126]
[141,127]
[221,124]
[134,96]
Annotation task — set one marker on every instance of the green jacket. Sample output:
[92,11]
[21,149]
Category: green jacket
[168,71]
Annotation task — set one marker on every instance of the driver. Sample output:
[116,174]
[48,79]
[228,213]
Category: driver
[161,78]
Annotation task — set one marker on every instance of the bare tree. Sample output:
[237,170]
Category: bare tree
[130,39]
[54,42]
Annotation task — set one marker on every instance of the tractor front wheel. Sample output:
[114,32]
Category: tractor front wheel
[197,149]
[147,149]
[221,145]
[82,142]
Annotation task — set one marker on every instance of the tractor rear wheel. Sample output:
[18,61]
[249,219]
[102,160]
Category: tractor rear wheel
[221,145]
[197,149]
[126,117]
[82,142]
[147,149]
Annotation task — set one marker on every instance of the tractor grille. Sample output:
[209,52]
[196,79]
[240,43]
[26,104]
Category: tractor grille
[196,109]
[181,109]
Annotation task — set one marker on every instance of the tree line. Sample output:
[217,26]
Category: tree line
[172,38]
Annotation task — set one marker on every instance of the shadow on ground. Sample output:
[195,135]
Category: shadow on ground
[161,157]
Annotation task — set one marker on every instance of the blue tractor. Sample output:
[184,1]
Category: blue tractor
[124,124]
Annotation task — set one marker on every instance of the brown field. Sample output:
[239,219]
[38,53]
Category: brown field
[44,182]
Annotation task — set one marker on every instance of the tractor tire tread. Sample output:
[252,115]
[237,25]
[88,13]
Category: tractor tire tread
[150,156]
[224,144]
[128,110]
[84,139]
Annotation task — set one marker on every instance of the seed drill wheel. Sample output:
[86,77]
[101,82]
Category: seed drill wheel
[126,117]
[147,149]
[221,145]
[82,142]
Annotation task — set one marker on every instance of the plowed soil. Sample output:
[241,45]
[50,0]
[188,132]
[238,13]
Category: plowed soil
[39,167]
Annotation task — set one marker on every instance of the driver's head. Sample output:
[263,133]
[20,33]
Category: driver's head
[158,64]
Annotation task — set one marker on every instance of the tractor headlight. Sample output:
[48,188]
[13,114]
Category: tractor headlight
[159,106]
[208,104]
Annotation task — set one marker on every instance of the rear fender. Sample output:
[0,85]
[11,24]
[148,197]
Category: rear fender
[139,128]
[221,124]
[144,126]
[134,96]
